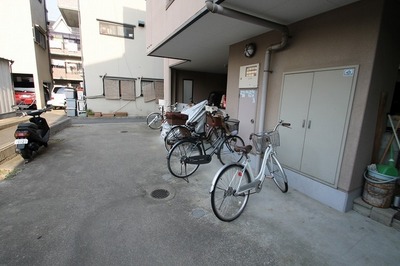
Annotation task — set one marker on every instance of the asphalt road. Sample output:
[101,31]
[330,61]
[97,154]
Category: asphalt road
[86,200]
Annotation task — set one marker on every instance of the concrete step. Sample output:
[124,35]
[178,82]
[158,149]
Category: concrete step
[386,216]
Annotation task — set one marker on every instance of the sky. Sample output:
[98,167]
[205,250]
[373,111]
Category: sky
[53,11]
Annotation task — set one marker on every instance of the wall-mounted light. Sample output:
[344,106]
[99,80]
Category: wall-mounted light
[141,23]
[250,49]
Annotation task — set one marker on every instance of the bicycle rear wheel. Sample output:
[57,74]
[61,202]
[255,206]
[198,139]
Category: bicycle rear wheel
[277,173]
[176,134]
[178,155]
[154,120]
[226,153]
[225,205]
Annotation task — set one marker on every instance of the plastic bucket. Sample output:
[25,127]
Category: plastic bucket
[378,192]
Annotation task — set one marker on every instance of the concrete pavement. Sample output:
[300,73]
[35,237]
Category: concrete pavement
[87,200]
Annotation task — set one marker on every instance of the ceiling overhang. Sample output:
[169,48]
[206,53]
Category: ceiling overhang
[203,42]
[69,9]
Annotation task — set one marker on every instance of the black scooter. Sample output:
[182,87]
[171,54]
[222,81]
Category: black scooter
[31,135]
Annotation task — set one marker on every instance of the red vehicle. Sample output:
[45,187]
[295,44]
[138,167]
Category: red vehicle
[25,97]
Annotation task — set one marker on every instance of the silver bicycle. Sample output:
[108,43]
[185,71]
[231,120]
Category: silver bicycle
[233,183]
[155,119]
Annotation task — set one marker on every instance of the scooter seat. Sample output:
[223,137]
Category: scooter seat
[28,125]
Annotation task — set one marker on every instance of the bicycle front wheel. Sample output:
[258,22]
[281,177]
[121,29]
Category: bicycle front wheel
[226,152]
[154,120]
[178,156]
[277,173]
[225,204]
[176,134]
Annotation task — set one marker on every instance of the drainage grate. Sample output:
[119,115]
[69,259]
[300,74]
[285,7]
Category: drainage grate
[160,193]
[124,131]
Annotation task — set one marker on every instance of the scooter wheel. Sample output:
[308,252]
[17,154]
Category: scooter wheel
[26,154]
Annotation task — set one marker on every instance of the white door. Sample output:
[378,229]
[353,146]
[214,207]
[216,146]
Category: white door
[326,124]
[247,113]
[187,90]
[294,110]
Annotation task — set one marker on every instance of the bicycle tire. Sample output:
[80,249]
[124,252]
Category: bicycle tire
[154,120]
[212,135]
[175,134]
[183,149]
[277,173]
[225,205]
[226,153]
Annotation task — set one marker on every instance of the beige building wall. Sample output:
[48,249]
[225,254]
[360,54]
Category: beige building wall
[343,37]
[363,34]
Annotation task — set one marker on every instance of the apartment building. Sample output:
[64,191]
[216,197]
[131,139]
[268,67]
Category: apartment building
[24,41]
[65,54]
[6,88]
[327,67]
[118,74]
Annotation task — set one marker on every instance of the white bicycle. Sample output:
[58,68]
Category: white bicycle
[233,183]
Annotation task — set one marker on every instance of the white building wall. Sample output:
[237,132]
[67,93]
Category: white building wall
[116,56]
[6,87]
[18,40]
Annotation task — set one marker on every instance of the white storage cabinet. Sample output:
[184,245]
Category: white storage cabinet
[317,104]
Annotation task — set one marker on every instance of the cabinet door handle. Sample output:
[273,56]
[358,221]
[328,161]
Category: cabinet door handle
[304,123]
[309,123]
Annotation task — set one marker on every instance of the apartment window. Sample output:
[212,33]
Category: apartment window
[152,89]
[116,29]
[119,88]
[40,36]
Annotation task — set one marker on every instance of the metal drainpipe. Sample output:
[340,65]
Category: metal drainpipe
[215,8]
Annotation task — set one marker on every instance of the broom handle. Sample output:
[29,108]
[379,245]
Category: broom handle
[395,130]
[389,143]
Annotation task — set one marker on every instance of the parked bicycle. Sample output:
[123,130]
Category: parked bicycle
[156,119]
[187,154]
[233,183]
[179,132]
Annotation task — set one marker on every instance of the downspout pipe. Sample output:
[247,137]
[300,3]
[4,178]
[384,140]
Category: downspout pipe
[215,8]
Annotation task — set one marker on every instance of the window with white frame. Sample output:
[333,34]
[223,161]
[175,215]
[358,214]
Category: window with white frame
[119,88]
[116,29]
[40,36]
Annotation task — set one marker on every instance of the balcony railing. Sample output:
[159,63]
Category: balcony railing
[60,73]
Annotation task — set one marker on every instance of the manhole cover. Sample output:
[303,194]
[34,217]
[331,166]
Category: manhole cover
[160,193]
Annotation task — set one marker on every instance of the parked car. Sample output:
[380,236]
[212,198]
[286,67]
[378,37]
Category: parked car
[58,98]
[25,98]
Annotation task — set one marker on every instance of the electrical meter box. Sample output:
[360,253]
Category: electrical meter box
[248,77]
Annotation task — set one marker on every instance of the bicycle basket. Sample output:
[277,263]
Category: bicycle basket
[233,125]
[175,118]
[214,121]
[274,139]
[261,140]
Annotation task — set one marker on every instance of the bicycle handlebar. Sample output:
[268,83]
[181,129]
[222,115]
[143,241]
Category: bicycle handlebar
[280,123]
